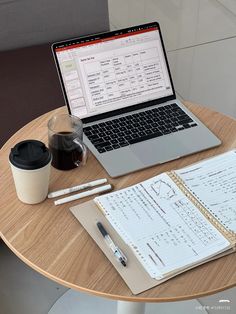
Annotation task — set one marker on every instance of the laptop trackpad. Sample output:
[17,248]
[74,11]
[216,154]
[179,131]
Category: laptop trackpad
[153,151]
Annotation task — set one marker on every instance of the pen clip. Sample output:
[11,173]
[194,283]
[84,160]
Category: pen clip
[122,255]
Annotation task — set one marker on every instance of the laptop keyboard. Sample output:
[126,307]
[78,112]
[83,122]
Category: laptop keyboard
[138,127]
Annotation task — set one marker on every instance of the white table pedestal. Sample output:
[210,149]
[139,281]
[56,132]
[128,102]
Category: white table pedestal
[124,307]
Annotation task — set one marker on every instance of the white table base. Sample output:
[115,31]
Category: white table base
[124,307]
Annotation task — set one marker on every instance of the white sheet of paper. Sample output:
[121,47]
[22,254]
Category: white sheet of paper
[213,182]
[165,230]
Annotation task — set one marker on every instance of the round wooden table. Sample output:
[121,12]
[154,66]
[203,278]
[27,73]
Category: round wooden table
[50,240]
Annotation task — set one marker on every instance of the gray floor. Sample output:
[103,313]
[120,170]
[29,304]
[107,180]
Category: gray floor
[22,290]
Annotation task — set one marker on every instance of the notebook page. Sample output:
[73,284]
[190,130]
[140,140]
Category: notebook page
[165,230]
[213,183]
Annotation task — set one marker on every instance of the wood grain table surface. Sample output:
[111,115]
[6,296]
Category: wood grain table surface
[50,240]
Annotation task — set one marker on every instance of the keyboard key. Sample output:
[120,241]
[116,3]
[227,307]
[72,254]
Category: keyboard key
[128,132]
[103,144]
[101,135]
[168,126]
[101,150]
[109,132]
[113,136]
[97,141]
[122,144]
[156,119]
[95,126]
[185,121]
[140,134]
[166,132]
[186,126]
[88,133]
[93,137]
[120,134]
[120,139]
[108,148]
[114,141]
[128,137]
[115,146]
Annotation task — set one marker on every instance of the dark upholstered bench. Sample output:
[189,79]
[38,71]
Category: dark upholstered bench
[29,87]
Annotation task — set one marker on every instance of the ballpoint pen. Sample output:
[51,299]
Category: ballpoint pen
[115,249]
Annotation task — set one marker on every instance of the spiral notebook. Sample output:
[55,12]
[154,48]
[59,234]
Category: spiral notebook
[169,223]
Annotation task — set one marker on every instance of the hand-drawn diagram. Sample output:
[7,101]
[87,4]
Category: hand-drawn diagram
[163,189]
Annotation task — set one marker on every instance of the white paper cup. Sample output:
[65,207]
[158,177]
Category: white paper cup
[31,183]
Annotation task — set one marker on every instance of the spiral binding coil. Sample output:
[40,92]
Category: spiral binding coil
[230,235]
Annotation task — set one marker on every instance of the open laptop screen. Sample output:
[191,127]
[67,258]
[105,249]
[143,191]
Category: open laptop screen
[111,71]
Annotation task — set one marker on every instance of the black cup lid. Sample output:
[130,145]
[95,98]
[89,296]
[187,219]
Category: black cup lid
[30,155]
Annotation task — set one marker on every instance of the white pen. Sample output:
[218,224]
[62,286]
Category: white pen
[83,194]
[76,188]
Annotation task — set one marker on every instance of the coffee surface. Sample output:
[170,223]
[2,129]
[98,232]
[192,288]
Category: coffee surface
[66,154]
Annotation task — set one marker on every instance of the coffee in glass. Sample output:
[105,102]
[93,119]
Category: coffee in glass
[65,134]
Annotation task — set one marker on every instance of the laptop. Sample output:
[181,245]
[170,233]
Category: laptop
[119,84]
